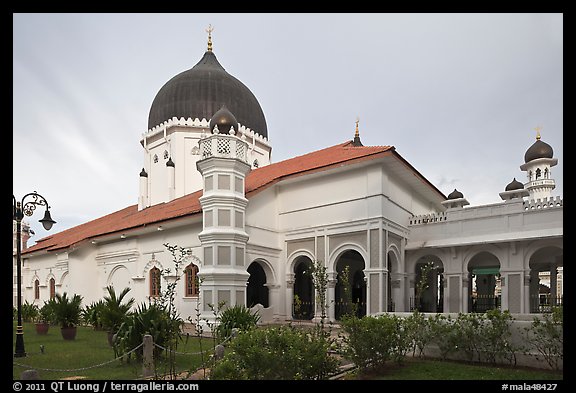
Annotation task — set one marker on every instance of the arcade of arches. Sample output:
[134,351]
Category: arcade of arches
[436,283]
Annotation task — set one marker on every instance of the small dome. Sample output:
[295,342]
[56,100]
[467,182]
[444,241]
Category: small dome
[538,149]
[170,162]
[224,119]
[514,185]
[455,194]
[143,173]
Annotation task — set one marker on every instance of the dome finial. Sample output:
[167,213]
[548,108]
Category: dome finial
[356,141]
[537,129]
[209,30]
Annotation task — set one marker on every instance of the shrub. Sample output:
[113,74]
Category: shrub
[282,352]
[444,334]
[369,341]
[46,313]
[29,312]
[546,335]
[418,331]
[113,311]
[92,314]
[239,317]
[67,310]
[152,319]
[496,332]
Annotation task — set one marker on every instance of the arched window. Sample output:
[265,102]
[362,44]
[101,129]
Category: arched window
[546,173]
[52,288]
[36,289]
[191,282]
[154,282]
[538,173]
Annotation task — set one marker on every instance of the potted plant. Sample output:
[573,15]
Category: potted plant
[45,317]
[67,313]
[114,311]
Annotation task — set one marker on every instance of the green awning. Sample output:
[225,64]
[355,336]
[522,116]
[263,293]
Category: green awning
[486,270]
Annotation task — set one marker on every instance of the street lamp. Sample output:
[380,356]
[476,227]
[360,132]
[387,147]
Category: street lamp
[19,209]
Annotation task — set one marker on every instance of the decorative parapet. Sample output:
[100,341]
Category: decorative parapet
[485,211]
[427,218]
[224,146]
[204,123]
[545,203]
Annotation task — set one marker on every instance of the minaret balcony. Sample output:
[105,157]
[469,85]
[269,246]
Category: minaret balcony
[540,183]
[224,146]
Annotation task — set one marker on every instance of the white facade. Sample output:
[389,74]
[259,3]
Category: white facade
[369,214]
[253,227]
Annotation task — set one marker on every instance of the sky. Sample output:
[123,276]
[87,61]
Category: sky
[459,95]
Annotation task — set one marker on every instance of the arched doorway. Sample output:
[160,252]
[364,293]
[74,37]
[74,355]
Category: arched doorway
[303,302]
[256,290]
[484,290]
[428,285]
[546,279]
[350,290]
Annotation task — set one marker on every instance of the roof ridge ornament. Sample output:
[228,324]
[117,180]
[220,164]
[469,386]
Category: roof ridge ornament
[209,30]
[356,142]
[538,129]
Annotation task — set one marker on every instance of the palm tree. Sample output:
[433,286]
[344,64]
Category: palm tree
[114,311]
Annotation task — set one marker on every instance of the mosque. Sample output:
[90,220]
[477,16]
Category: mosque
[389,239]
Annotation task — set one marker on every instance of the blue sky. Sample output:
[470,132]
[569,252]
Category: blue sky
[458,95]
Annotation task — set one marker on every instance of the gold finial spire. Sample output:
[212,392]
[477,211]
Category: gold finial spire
[209,30]
[537,129]
[356,141]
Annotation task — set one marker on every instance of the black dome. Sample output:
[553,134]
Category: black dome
[224,119]
[514,185]
[201,91]
[538,149]
[455,194]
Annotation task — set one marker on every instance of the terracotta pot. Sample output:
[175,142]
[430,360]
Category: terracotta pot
[68,333]
[42,328]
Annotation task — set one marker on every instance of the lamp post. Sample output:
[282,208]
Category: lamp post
[19,209]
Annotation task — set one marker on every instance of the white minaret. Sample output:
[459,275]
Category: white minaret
[537,163]
[223,165]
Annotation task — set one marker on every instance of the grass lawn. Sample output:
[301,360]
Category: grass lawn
[90,348]
[428,369]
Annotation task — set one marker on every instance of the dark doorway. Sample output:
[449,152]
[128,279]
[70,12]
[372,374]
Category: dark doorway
[256,291]
[350,288]
[303,302]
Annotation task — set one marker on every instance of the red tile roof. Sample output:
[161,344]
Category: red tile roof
[257,180]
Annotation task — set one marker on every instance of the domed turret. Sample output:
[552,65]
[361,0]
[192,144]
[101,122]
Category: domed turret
[538,149]
[538,162]
[225,120]
[455,200]
[455,194]
[201,91]
[514,185]
[514,191]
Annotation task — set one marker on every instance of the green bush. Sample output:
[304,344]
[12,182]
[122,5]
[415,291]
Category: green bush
[114,311]
[369,341]
[238,317]
[92,314]
[30,312]
[282,353]
[546,335]
[418,331]
[497,335]
[67,310]
[444,334]
[47,312]
[153,319]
